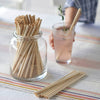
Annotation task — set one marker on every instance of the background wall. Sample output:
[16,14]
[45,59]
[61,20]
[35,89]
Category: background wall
[50,6]
[40,6]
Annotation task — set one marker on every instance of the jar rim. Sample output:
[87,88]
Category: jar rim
[31,37]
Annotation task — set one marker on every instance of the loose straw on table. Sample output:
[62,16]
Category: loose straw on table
[27,63]
[72,26]
[59,85]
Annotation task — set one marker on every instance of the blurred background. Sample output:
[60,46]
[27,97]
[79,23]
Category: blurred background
[35,6]
[41,6]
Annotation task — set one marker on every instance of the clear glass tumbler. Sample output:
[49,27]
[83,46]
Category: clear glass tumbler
[28,57]
[63,41]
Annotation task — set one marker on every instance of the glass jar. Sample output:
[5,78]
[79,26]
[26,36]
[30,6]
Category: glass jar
[28,57]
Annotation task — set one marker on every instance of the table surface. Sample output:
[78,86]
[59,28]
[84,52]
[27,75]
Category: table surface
[85,57]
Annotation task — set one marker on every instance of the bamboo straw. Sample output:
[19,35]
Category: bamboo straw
[38,64]
[28,67]
[30,30]
[75,19]
[29,19]
[26,19]
[21,29]
[61,84]
[38,26]
[33,19]
[24,28]
[27,27]
[32,66]
[19,67]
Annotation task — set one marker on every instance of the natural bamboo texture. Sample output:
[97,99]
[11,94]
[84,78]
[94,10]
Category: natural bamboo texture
[75,19]
[60,84]
[27,62]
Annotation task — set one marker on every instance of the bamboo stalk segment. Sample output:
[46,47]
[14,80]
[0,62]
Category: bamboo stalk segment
[27,59]
[59,85]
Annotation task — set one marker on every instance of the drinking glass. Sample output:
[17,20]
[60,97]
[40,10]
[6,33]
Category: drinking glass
[63,41]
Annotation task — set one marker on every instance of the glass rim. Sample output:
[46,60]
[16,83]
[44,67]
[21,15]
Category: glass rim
[27,37]
[60,24]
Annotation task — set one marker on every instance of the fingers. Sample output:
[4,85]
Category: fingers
[51,40]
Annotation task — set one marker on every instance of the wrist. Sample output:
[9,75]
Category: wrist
[69,15]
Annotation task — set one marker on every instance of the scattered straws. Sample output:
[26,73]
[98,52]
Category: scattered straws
[27,62]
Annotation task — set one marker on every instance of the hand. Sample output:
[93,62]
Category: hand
[51,40]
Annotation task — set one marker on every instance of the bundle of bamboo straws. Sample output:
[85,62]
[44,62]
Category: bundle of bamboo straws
[27,62]
[54,88]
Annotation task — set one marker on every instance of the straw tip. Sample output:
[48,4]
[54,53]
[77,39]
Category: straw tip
[79,10]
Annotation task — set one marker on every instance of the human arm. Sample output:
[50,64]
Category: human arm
[70,12]
[69,16]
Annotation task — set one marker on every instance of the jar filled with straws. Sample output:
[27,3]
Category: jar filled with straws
[28,50]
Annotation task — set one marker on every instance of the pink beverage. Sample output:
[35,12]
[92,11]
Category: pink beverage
[63,41]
